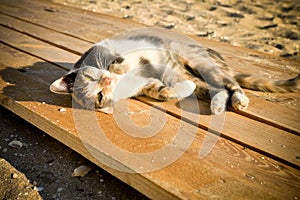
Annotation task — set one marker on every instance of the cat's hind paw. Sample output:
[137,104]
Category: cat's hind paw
[239,101]
[219,102]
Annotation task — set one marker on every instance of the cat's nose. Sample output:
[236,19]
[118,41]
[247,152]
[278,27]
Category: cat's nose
[107,81]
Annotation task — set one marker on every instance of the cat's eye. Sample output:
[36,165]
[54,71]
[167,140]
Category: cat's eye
[89,78]
[100,96]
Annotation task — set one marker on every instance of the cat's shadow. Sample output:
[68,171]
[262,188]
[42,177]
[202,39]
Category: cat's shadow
[31,84]
[188,105]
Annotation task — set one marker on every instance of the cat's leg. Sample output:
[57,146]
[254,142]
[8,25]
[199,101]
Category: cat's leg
[215,77]
[209,66]
[219,101]
[157,90]
[238,99]
[218,96]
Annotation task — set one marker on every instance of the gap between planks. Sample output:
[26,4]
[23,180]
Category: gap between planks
[254,115]
[220,152]
[246,143]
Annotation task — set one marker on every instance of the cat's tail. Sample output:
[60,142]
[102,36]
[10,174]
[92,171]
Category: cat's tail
[260,84]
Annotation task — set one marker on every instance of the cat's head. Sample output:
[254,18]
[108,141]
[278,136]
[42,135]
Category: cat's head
[90,87]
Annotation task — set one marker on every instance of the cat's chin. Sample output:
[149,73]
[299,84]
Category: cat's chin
[106,110]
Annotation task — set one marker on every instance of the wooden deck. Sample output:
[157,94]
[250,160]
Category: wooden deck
[256,156]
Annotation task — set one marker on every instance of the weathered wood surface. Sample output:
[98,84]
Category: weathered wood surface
[257,155]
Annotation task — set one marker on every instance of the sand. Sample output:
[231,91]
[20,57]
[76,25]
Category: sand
[263,25]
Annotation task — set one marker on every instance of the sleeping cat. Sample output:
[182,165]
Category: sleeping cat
[161,66]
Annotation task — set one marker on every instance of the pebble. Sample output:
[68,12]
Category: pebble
[60,189]
[287,6]
[190,18]
[235,15]
[38,188]
[213,8]
[127,16]
[14,175]
[291,35]
[15,144]
[249,176]
[4,150]
[267,26]
[62,110]
[205,33]
[81,171]
[222,180]
[170,26]
[279,46]
[223,23]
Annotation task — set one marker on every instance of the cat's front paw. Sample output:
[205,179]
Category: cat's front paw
[166,94]
[239,101]
[219,102]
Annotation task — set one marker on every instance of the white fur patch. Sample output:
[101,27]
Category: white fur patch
[184,88]
[239,101]
[218,102]
[128,86]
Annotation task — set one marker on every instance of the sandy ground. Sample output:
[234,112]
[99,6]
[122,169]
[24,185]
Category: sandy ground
[42,167]
[264,25]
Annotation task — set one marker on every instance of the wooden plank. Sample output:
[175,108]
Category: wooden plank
[245,131]
[270,141]
[281,115]
[211,184]
[56,16]
[36,47]
[229,171]
[286,119]
[25,92]
[251,139]
[241,59]
[73,45]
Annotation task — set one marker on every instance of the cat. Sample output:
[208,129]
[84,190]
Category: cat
[162,67]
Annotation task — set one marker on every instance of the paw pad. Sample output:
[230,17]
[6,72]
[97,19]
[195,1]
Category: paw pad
[239,101]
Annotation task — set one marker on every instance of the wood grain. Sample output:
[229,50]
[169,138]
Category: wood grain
[37,47]
[241,59]
[232,125]
[229,168]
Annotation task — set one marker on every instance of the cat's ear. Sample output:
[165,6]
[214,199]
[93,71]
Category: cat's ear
[65,84]
[59,86]
[117,60]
